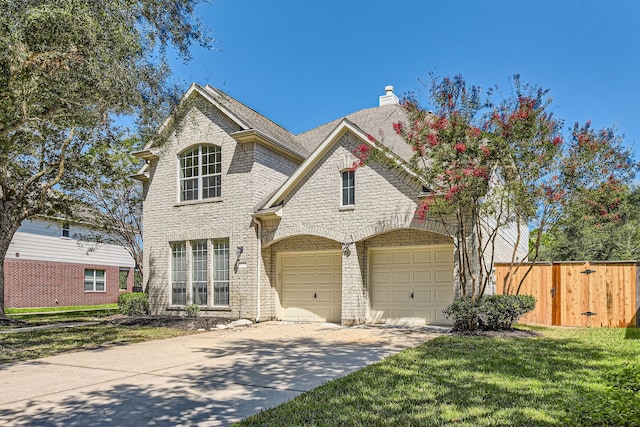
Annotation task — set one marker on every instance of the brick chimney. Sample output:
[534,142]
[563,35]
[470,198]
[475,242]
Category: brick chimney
[389,98]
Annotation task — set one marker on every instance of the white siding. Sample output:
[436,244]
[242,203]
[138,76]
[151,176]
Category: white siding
[40,240]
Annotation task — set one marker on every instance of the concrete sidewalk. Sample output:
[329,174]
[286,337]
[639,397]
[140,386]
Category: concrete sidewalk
[212,378]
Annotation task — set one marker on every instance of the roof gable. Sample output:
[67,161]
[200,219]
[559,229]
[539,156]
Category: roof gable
[332,138]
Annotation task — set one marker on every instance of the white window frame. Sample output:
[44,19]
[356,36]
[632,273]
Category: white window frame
[94,280]
[199,273]
[178,275]
[348,189]
[205,168]
[221,273]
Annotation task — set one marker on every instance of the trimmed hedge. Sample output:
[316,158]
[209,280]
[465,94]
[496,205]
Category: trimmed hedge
[133,303]
[492,312]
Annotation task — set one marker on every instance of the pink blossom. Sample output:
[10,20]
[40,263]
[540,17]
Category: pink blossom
[460,147]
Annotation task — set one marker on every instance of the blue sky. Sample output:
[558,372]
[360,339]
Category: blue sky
[304,63]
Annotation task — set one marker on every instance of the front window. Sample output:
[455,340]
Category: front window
[348,188]
[94,280]
[200,173]
[179,273]
[199,272]
[221,272]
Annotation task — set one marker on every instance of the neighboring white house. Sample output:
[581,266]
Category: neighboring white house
[248,220]
[54,261]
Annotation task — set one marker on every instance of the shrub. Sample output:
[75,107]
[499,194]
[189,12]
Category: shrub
[464,313]
[133,303]
[491,312]
[192,310]
[502,311]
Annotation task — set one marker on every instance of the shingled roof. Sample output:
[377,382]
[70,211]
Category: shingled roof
[377,122]
[257,121]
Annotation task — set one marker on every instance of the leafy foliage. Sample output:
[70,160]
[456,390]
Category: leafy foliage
[491,312]
[192,310]
[595,230]
[133,303]
[67,68]
[504,164]
[503,311]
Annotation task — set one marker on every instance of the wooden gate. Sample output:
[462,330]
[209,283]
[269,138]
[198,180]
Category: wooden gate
[578,293]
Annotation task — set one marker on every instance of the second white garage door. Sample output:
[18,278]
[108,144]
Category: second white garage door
[411,285]
[311,286]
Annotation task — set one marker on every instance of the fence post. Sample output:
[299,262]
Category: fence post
[637,315]
[556,317]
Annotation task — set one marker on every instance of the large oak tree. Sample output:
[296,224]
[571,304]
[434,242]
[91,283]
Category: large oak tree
[67,68]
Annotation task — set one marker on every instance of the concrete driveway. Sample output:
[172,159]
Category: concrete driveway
[211,378]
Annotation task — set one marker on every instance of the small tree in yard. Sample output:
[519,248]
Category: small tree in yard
[114,199]
[66,68]
[496,165]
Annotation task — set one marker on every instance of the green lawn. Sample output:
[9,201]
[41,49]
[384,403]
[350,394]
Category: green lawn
[18,311]
[48,315]
[587,377]
[17,346]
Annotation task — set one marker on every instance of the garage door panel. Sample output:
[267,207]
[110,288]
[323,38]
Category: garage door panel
[421,276]
[381,258]
[444,276]
[325,278]
[444,255]
[444,296]
[401,277]
[425,295]
[422,256]
[401,296]
[425,272]
[403,257]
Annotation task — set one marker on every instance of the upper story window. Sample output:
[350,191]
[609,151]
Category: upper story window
[66,230]
[200,173]
[348,188]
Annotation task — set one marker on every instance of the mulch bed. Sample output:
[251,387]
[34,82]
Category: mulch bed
[176,322]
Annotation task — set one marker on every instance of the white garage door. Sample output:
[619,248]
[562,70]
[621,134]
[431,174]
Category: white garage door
[311,286]
[411,285]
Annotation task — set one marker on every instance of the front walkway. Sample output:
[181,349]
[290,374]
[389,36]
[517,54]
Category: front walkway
[212,378]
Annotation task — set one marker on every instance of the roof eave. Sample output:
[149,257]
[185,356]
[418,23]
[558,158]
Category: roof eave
[254,135]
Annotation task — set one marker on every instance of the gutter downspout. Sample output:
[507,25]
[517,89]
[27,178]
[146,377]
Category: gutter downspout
[258,256]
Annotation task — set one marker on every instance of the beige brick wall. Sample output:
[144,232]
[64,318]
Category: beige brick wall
[248,175]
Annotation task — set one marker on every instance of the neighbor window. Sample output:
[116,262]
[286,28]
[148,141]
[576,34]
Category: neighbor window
[348,188]
[66,230]
[221,272]
[123,278]
[200,173]
[94,280]
[199,272]
[179,273]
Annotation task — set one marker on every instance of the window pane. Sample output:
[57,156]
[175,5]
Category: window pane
[348,188]
[221,272]
[199,272]
[179,273]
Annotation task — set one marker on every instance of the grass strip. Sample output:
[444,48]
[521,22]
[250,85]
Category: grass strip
[28,345]
[566,377]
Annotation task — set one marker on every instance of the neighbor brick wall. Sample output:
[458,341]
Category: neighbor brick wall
[47,284]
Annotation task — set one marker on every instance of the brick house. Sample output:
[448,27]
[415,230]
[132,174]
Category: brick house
[250,221]
[54,261]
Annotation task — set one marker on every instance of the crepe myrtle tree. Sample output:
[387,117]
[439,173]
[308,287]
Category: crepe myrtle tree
[496,165]
[67,68]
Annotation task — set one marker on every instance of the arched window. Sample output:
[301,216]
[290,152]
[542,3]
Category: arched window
[200,173]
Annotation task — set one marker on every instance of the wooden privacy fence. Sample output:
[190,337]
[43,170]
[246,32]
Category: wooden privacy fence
[579,294]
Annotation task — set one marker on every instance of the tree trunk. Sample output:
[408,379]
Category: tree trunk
[8,228]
